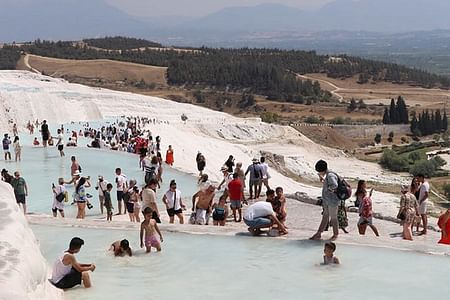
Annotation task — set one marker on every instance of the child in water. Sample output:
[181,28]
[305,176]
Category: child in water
[151,231]
[121,248]
[329,258]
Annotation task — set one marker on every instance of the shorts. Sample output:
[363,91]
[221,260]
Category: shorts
[130,207]
[365,221]
[60,147]
[258,222]
[423,207]
[218,217]
[6,151]
[20,199]
[254,182]
[54,209]
[119,196]
[172,212]
[236,204]
[152,240]
[70,280]
[200,216]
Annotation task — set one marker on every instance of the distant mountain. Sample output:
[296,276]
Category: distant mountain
[265,17]
[363,15]
[25,20]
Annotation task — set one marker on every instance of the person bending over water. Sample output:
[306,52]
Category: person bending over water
[261,215]
[329,258]
[150,230]
[67,272]
[121,248]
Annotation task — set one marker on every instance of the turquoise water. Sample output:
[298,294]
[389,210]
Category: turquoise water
[43,166]
[215,267]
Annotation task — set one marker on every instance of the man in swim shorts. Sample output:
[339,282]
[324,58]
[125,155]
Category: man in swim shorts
[202,203]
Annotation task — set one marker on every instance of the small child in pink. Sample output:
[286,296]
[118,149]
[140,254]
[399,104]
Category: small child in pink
[153,236]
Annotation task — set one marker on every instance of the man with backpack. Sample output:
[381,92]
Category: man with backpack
[6,142]
[334,190]
[255,178]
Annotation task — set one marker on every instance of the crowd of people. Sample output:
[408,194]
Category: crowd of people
[266,212]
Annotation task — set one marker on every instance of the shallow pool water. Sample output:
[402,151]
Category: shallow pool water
[215,267]
[43,166]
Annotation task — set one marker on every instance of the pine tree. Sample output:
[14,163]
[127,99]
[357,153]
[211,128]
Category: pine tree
[402,111]
[386,117]
[414,124]
[393,113]
[445,122]
[438,121]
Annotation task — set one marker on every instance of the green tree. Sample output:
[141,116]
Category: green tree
[377,138]
[425,167]
[392,161]
[393,113]
[386,116]
[391,137]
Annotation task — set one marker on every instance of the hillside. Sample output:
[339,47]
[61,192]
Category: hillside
[269,72]
[97,70]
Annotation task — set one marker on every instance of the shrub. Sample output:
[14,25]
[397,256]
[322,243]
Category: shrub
[425,167]
[446,189]
[392,161]
[438,162]
[377,138]
[269,117]
[312,120]
[338,120]
[415,156]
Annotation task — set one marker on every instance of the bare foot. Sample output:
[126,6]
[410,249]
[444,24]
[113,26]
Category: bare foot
[315,237]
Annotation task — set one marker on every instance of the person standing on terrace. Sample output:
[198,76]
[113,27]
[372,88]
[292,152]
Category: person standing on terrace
[20,190]
[330,201]
[45,133]
[423,201]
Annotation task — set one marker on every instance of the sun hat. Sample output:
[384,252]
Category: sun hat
[77,173]
[224,168]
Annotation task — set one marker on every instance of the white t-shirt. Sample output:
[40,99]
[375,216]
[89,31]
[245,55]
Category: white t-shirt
[257,210]
[425,187]
[120,181]
[265,170]
[171,197]
[148,197]
[60,139]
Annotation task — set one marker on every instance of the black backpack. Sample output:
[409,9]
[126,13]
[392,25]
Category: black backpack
[343,190]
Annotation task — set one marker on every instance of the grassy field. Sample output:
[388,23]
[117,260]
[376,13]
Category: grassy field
[103,69]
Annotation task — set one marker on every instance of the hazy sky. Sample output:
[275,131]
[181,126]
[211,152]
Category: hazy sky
[198,7]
